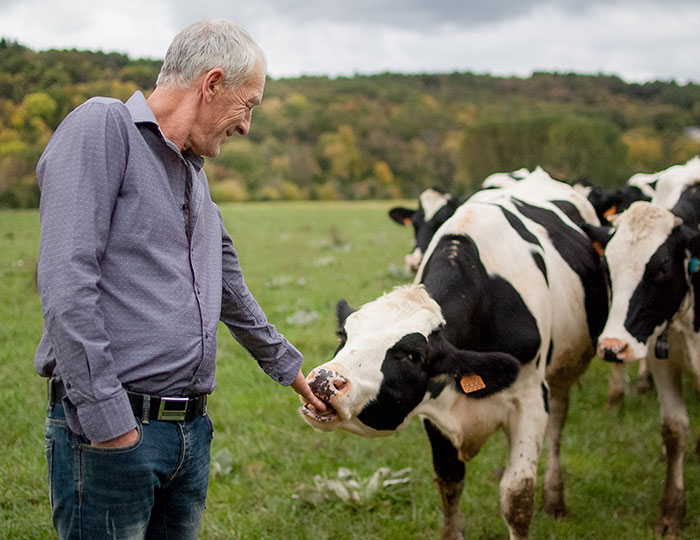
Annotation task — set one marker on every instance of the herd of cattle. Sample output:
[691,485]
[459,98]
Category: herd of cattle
[517,288]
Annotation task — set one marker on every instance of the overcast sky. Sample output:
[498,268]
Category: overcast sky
[638,40]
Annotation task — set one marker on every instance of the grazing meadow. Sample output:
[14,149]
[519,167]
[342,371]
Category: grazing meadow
[273,477]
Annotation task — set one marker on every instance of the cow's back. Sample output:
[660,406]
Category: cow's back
[529,235]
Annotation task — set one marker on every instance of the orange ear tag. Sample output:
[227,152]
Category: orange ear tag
[471,383]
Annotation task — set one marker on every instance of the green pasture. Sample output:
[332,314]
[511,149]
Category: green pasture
[299,259]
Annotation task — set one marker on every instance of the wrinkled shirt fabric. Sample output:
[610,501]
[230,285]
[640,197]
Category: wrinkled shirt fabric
[129,301]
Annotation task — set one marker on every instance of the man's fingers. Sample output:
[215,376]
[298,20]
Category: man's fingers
[301,387]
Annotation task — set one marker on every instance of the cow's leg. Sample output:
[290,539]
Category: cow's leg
[644,380]
[616,386]
[449,476]
[674,431]
[525,431]
[553,488]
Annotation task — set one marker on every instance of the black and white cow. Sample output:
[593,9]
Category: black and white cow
[652,256]
[510,281]
[436,206]
[608,203]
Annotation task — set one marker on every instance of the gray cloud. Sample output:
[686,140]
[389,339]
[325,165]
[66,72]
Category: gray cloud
[636,39]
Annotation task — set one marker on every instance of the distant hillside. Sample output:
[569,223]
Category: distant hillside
[388,135]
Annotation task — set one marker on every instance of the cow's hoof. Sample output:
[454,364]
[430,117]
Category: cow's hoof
[555,507]
[668,527]
[644,384]
[452,535]
[614,399]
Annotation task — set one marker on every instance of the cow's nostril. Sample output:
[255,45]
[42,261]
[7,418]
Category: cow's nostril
[611,356]
[339,384]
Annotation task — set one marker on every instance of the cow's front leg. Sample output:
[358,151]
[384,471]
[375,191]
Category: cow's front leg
[525,432]
[449,476]
[645,383]
[674,431]
[616,386]
[553,489]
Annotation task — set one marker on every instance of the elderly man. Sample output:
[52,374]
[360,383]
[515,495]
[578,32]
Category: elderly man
[135,271]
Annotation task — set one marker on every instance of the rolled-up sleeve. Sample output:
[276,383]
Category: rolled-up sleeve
[244,317]
[79,177]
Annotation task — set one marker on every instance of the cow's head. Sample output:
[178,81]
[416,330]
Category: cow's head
[392,356]
[609,202]
[648,255]
[434,208]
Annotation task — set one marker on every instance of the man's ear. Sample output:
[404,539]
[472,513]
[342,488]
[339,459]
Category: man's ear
[343,310]
[402,216]
[477,374]
[212,82]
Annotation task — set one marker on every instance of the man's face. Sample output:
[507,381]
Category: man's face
[228,112]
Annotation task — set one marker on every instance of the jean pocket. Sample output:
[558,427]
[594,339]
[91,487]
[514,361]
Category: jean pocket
[87,447]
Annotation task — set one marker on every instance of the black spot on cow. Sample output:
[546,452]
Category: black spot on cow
[489,306]
[413,361]
[404,384]
[446,462]
[578,252]
[659,294]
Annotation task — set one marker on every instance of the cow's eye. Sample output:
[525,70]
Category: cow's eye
[663,272]
[342,339]
[415,356]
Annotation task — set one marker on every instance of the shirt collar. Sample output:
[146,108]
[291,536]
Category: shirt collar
[141,113]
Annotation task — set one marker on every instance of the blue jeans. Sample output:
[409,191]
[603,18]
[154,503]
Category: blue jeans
[154,489]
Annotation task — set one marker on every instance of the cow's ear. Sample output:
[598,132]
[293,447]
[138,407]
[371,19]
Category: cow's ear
[402,216]
[342,310]
[599,235]
[478,374]
[481,374]
[692,239]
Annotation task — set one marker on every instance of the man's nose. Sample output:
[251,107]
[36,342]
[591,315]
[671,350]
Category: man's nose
[244,127]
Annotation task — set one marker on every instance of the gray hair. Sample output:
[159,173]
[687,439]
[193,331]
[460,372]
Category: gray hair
[206,45]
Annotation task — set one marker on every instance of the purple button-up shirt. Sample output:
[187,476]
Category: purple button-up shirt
[128,301]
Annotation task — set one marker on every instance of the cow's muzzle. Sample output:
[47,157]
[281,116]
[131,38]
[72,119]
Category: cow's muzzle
[614,350]
[326,385]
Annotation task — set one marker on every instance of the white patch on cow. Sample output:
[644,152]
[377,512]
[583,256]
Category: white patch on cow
[371,331]
[672,181]
[503,179]
[431,201]
[640,232]
[582,189]
[643,181]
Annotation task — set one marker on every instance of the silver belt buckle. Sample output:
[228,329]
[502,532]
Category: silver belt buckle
[172,408]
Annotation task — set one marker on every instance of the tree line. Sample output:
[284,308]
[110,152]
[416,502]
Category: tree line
[371,136]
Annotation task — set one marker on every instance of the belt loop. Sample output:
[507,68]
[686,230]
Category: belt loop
[146,408]
[50,392]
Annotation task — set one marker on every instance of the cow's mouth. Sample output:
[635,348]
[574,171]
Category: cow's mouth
[322,417]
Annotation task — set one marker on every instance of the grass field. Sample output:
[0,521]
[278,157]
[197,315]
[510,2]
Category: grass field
[299,259]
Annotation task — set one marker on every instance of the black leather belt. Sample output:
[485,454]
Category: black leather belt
[147,407]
